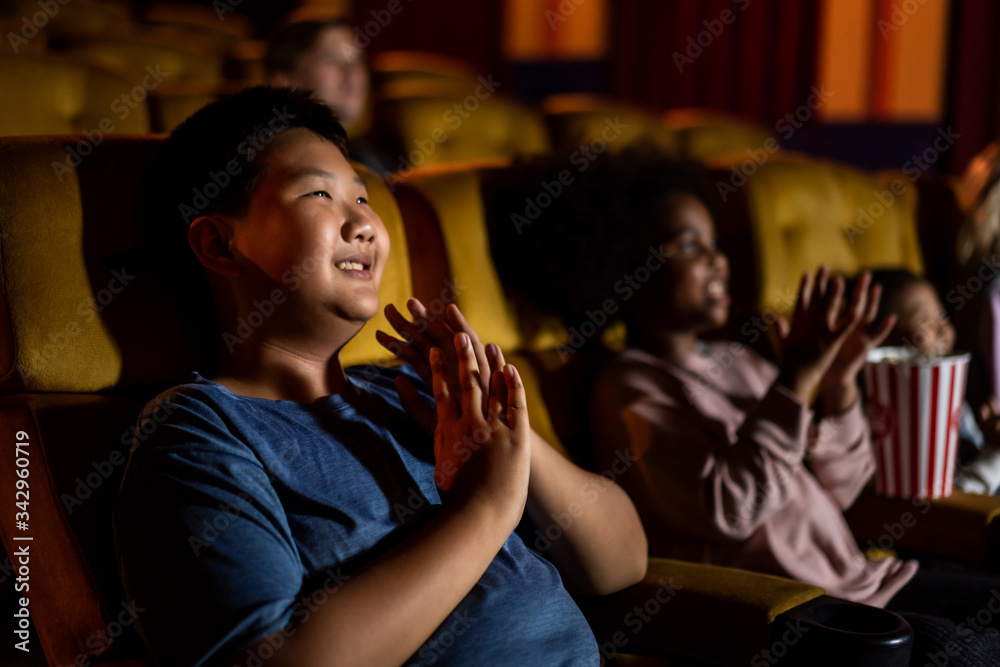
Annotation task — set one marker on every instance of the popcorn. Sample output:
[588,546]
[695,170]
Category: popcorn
[914,401]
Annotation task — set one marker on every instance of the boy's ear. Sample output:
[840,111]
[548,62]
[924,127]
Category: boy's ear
[209,237]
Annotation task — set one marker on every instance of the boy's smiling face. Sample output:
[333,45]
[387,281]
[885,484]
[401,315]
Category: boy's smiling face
[309,229]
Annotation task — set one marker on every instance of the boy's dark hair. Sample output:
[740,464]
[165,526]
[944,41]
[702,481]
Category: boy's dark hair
[209,163]
[563,247]
[288,43]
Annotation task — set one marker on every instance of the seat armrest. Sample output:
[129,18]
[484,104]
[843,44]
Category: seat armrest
[678,609]
[962,526]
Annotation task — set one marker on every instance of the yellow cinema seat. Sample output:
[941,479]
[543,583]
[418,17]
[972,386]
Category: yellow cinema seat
[804,212]
[220,22]
[392,67]
[787,216]
[578,119]
[58,95]
[443,124]
[185,58]
[449,243]
[92,325]
[105,17]
[173,102]
[707,135]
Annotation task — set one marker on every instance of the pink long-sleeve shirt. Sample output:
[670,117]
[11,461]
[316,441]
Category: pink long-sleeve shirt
[724,469]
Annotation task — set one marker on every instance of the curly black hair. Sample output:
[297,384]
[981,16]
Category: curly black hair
[564,230]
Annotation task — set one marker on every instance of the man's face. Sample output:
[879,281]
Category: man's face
[335,70]
[309,229]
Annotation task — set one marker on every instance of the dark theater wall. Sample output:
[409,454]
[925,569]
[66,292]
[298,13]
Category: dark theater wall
[469,30]
[755,59]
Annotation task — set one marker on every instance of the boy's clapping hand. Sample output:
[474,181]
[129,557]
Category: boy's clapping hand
[466,377]
[425,332]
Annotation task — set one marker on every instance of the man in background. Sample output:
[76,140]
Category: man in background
[321,55]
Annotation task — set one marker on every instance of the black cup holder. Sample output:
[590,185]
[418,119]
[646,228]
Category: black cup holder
[855,618]
[830,631]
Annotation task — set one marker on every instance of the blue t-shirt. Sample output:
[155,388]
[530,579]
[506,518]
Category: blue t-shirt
[238,516]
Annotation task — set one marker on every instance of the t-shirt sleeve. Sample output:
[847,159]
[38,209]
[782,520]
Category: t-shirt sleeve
[204,547]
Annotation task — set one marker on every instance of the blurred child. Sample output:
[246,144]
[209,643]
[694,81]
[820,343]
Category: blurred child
[290,510]
[976,296]
[921,323]
[323,56]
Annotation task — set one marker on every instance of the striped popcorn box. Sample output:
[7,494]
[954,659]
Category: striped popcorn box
[913,409]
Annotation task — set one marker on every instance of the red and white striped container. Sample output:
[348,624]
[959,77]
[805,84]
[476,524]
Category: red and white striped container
[913,409]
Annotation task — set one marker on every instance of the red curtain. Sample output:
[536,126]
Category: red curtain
[753,58]
[973,102]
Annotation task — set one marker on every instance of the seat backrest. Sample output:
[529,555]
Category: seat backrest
[58,95]
[83,312]
[450,253]
[457,122]
[392,67]
[580,120]
[804,212]
[134,53]
[226,25]
[706,135]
